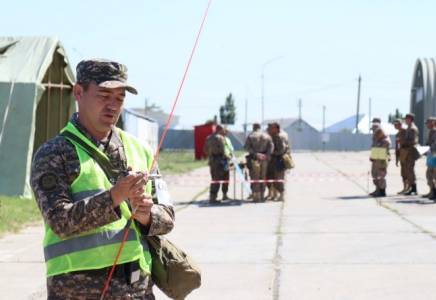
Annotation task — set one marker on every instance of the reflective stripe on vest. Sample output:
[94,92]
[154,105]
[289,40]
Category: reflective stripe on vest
[90,241]
[98,248]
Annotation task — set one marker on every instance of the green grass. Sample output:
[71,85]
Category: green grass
[17,213]
[182,161]
[179,162]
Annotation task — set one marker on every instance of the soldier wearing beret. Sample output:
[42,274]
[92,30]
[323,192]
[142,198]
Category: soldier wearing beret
[85,213]
[276,167]
[398,123]
[259,146]
[215,147]
[408,152]
[431,170]
[379,167]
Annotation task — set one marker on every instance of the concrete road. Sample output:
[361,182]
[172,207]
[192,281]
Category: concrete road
[328,240]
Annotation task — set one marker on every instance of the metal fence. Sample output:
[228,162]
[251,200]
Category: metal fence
[300,141]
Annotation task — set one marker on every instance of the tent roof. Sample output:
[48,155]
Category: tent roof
[26,59]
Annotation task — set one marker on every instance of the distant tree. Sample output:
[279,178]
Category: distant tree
[154,107]
[397,115]
[228,111]
[347,130]
[212,120]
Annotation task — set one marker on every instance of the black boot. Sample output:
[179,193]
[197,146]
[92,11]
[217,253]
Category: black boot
[374,193]
[433,196]
[382,193]
[412,191]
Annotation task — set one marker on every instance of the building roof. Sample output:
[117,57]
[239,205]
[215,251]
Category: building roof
[285,123]
[346,124]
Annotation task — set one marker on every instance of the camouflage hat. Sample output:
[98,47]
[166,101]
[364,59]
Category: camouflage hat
[375,126]
[397,121]
[219,127]
[104,73]
[256,124]
[430,120]
[378,131]
[376,120]
[274,125]
[410,116]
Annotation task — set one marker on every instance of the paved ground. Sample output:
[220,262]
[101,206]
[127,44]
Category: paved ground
[328,240]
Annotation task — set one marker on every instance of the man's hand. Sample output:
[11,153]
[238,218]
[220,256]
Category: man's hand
[132,185]
[261,156]
[143,205]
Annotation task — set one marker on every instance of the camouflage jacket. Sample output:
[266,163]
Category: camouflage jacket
[411,136]
[259,142]
[431,141]
[281,144]
[55,167]
[384,143]
[215,145]
[399,135]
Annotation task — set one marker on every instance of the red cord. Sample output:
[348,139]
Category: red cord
[157,152]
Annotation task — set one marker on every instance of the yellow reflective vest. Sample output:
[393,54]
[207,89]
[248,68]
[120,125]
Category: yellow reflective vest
[98,248]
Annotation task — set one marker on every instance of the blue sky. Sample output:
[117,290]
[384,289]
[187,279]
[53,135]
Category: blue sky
[326,44]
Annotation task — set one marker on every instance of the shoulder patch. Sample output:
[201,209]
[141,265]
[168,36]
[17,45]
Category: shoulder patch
[48,181]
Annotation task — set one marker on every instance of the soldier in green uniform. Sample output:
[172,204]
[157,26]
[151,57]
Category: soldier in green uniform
[398,123]
[259,146]
[408,142]
[215,147]
[84,212]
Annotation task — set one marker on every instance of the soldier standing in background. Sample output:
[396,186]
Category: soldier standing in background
[398,123]
[215,148]
[228,152]
[430,173]
[408,142]
[260,146]
[380,166]
[276,166]
[374,127]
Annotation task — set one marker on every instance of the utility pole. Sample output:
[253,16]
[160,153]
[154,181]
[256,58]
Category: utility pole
[323,119]
[358,102]
[246,105]
[369,114]
[299,114]
[146,106]
[323,128]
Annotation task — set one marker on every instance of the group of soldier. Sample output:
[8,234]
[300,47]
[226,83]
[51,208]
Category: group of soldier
[268,158]
[406,154]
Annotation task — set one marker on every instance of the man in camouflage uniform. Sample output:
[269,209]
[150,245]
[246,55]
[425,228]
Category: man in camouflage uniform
[431,170]
[380,166]
[374,127]
[408,142]
[276,167]
[218,162]
[100,93]
[259,146]
[398,123]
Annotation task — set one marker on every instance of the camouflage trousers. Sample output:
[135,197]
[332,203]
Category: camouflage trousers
[378,176]
[259,187]
[403,171]
[431,177]
[85,287]
[217,172]
[409,168]
[273,173]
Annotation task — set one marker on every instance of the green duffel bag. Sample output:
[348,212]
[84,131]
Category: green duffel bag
[173,271]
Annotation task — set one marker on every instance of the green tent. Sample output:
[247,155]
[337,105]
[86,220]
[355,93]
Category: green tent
[36,101]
